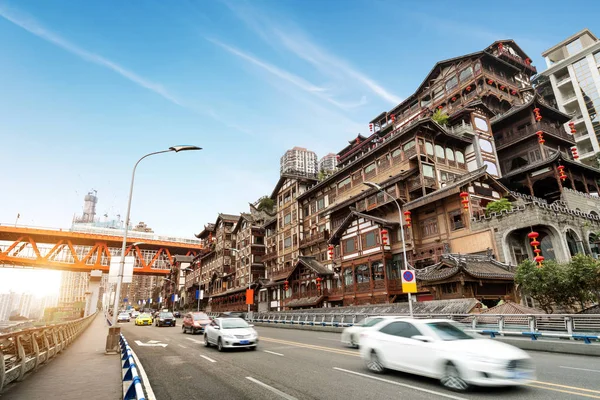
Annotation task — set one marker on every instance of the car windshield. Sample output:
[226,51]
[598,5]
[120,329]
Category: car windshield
[144,316]
[123,315]
[200,317]
[447,331]
[370,322]
[233,323]
[166,315]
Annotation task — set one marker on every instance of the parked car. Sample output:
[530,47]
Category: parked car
[143,319]
[165,319]
[441,349]
[351,334]
[123,317]
[229,333]
[195,322]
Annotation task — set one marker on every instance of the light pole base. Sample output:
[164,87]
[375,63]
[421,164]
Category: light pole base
[112,340]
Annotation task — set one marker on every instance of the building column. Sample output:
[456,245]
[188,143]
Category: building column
[93,292]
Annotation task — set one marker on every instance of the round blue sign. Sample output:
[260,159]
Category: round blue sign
[408,276]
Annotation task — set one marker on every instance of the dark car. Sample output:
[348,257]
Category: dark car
[177,314]
[165,319]
[195,322]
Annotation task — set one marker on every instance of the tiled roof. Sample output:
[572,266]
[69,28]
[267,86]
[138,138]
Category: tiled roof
[591,310]
[228,217]
[337,234]
[482,267]
[533,100]
[304,302]
[313,264]
[207,229]
[510,307]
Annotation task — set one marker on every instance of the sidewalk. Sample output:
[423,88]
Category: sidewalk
[81,371]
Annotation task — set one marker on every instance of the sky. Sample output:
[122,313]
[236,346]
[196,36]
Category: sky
[88,87]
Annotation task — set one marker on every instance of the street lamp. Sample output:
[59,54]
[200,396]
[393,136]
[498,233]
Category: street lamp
[175,149]
[380,189]
[249,276]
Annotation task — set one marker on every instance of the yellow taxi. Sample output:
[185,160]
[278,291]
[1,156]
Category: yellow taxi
[143,319]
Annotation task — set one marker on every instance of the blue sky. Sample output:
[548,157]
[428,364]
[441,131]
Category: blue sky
[87,87]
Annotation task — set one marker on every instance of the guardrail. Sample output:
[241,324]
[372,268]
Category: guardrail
[24,351]
[132,383]
[574,326]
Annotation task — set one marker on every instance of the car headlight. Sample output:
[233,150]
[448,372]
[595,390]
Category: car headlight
[228,337]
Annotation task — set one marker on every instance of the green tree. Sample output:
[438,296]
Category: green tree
[547,285]
[498,206]
[583,279]
[440,117]
[266,204]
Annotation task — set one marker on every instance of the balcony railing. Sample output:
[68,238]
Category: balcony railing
[507,54]
[312,239]
[511,137]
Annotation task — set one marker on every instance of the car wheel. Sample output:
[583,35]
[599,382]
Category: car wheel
[206,342]
[220,345]
[353,341]
[183,329]
[452,379]
[374,364]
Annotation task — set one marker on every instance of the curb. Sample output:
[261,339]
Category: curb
[132,382]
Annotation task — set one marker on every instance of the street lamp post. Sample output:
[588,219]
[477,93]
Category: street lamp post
[172,282]
[249,276]
[379,188]
[175,149]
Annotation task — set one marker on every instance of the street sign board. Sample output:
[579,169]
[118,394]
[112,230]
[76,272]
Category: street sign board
[409,282]
[113,272]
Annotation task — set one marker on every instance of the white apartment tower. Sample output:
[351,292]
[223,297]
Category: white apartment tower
[73,286]
[328,162]
[574,79]
[299,161]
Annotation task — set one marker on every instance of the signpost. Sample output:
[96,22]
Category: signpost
[199,296]
[409,285]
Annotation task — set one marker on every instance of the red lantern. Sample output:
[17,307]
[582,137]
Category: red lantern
[454,99]
[407,218]
[393,117]
[500,46]
[502,87]
[330,248]
[513,92]
[538,117]
[536,110]
[574,152]
[286,285]
[440,107]
[561,173]
[468,88]
[533,235]
[465,200]
[384,237]
[489,81]
[370,128]
[534,243]
[528,61]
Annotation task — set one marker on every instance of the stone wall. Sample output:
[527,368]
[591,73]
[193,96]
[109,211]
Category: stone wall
[582,201]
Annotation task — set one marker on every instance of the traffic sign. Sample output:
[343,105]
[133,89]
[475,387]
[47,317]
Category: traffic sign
[409,282]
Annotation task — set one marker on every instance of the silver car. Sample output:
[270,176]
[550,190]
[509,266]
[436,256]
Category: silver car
[123,317]
[230,333]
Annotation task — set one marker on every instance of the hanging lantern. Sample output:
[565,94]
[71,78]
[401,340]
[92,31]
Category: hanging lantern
[538,117]
[572,127]
[534,243]
[319,283]
[393,117]
[502,87]
[330,248]
[513,92]
[561,173]
[370,128]
[407,218]
[384,237]
[490,82]
[465,200]
[286,285]
[500,46]
[528,61]
[540,135]
[453,99]
[574,152]
[468,88]
[440,107]
[539,260]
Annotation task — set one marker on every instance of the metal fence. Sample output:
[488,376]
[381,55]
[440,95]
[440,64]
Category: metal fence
[132,382]
[24,351]
[568,324]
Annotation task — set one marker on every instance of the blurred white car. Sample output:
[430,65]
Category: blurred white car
[351,335]
[123,317]
[229,333]
[441,349]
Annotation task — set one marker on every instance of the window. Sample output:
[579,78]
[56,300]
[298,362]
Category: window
[448,331]
[429,148]
[362,274]
[451,83]
[368,322]
[409,145]
[491,168]
[429,227]
[396,153]
[439,151]
[377,270]
[369,168]
[447,176]
[370,240]
[349,246]
[486,145]
[428,170]
[449,154]
[456,220]
[320,204]
[348,277]
[343,185]
[481,124]
[465,74]
[401,329]
[287,242]
[287,219]
[460,157]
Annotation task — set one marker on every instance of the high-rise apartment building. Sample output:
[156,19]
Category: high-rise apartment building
[299,161]
[572,84]
[328,163]
[25,305]
[5,306]
[73,286]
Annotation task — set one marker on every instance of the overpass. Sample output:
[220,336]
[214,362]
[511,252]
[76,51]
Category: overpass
[85,249]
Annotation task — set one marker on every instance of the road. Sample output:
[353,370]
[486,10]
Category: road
[295,364]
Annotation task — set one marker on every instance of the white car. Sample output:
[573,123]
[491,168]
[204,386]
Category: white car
[123,317]
[230,333]
[351,335]
[441,349]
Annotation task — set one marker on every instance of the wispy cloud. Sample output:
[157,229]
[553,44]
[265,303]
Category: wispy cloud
[35,28]
[296,41]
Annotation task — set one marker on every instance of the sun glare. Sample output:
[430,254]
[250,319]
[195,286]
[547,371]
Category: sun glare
[39,282]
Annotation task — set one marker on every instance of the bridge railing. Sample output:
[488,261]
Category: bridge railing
[112,232]
[24,351]
[550,324]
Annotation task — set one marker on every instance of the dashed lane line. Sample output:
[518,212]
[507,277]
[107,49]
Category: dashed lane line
[208,358]
[313,347]
[271,388]
[580,369]
[272,352]
[182,346]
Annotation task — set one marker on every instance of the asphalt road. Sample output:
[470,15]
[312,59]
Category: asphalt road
[295,364]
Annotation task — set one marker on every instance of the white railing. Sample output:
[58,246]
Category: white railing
[113,232]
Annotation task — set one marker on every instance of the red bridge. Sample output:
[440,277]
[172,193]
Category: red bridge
[86,249]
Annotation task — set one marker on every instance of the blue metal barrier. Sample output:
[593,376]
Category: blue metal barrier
[133,391]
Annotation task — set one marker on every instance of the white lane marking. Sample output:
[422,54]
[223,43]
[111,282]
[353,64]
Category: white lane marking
[195,340]
[333,340]
[154,341]
[150,344]
[145,380]
[182,346]
[581,369]
[271,388]
[272,352]
[207,358]
[401,384]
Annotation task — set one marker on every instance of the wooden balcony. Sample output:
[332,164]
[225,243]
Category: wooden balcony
[515,59]
[510,137]
[415,183]
[281,273]
[313,239]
